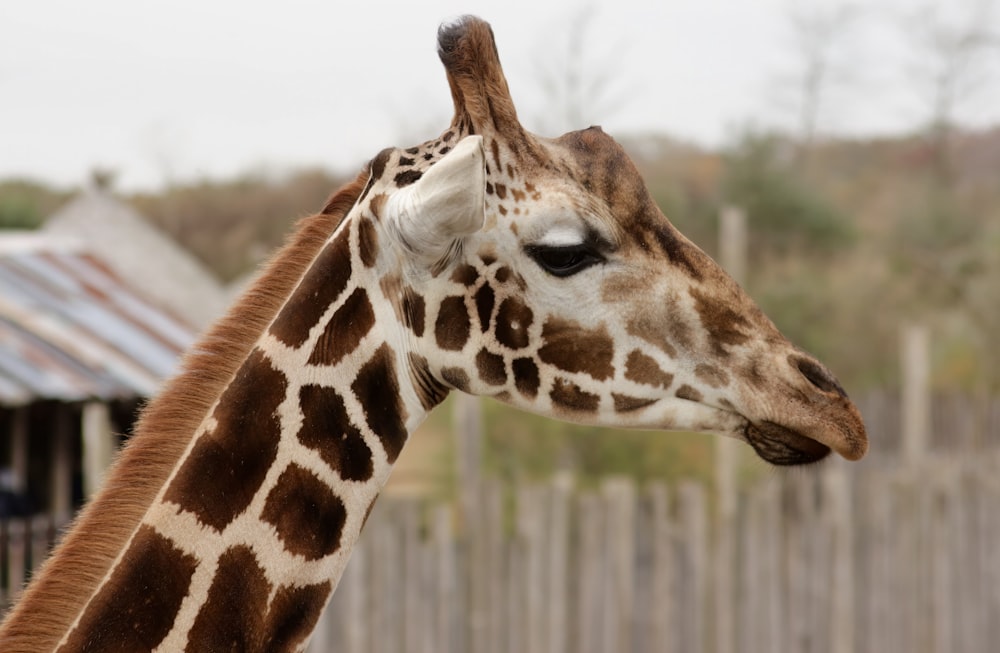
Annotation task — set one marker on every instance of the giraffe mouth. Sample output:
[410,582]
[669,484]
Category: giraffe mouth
[779,445]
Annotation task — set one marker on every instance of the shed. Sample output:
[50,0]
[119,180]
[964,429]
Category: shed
[79,349]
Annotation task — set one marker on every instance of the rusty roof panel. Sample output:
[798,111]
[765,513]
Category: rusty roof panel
[71,330]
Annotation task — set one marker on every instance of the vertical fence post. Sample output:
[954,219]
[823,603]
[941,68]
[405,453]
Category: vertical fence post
[19,450]
[468,421]
[693,527]
[733,257]
[916,417]
[619,500]
[98,445]
[557,562]
[663,622]
[838,502]
[62,466]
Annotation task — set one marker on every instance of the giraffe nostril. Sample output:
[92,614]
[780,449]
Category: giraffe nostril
[817,375]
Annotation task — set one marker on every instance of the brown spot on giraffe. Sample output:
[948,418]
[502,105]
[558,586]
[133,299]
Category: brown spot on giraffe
[714,376]
[456,377]
[689,393]
[679,251]
[343,333]
[320,287]
[566,394]
[495,151]
[465,274]
[232,618]
[238,452]
[376,204]
[367,242]
[513,320]
[293,615]
[308,516]
[485,300]
[526,376]
[327,428]
[724,326]
[652,331]
[414,311]
[377,388]
[452,327]
[407,177]
[574,348]
[136,607]
[644,369]
[236,616]
[430,391]
[491,367]
[627,404]
[380,161]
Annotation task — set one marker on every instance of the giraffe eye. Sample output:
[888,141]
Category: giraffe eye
[564,261]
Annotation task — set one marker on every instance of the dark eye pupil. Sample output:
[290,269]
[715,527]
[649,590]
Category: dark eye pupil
[561,258]
[564,261]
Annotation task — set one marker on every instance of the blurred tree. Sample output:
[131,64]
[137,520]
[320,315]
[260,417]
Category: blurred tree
[577,74]
[19,212]
[233,225]
[955,48]
[785,214]
[822,40]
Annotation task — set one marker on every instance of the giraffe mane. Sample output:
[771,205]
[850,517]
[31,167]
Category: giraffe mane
[163,432]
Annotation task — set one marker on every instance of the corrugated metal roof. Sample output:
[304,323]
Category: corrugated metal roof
[136,250]
[71,330]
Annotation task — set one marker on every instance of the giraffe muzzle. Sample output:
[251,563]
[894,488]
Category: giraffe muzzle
[779,445]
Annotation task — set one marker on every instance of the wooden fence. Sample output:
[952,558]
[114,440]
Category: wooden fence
[834,559]
[24,544]
[900,552]
[890,554]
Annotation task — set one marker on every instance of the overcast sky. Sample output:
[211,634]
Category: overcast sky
[170,91]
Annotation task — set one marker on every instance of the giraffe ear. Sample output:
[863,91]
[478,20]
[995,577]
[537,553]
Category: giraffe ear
[446,204]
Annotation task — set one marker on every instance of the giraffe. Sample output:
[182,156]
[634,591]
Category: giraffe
[488,260]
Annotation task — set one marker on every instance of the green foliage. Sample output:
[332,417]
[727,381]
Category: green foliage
[232,225]
[936,249]
[520,446]
[786,214]
[24,204]
[18,212]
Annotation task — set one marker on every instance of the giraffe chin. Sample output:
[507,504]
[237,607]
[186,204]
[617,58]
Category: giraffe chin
[782,446]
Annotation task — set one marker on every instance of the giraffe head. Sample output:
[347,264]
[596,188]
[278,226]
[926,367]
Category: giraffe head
[540,272]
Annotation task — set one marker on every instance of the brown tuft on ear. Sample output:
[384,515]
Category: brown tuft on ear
[478,87]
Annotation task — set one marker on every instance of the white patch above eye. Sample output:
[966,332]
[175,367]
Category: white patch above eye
[561,237]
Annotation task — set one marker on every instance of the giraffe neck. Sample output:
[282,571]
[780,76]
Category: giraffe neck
[246,533]
[249,536]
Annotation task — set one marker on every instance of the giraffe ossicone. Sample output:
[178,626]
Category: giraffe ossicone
[489,260]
